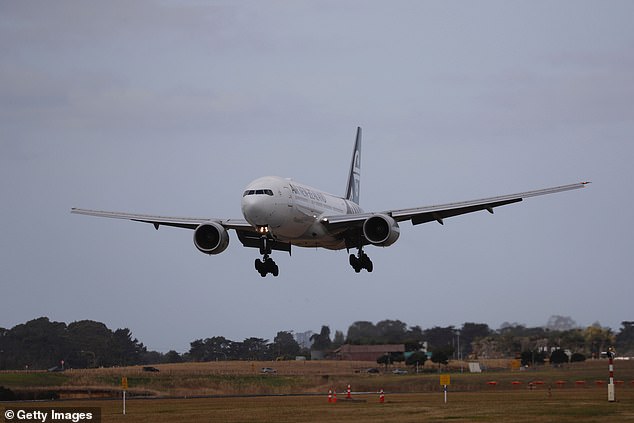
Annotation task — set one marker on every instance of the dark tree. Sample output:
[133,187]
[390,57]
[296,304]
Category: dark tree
[197,350]
[7,394]
[218,348]
[128,350]
[321,340]
[38,344]
[439,338]
[471,332]
[414,338]
[558,357]
[42,344]
[384,359]
[417,358]
[625,338]
[390,358]
[254,349]
[577,358]
[338,340]
[362,333]
[571,339]
[533,357]
[91,345]
[441,356]
[172,357]
[284,345]
[391,332]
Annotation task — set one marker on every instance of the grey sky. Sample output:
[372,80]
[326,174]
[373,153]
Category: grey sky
[173,107]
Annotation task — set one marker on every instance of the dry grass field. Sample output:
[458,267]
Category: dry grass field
[577,406]
[238,392]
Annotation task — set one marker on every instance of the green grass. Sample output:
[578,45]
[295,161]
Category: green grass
[34,379]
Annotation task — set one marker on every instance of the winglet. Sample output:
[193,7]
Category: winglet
[354,177]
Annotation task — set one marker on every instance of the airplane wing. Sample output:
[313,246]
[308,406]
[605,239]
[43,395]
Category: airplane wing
[438,213]
[178,222]
[247,234]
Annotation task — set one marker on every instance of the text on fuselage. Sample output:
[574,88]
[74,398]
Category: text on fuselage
[304,192]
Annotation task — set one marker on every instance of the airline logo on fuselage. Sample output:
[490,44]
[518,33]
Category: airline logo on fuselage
[308,193]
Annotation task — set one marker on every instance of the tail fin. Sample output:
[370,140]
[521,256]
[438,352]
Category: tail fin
[354,178]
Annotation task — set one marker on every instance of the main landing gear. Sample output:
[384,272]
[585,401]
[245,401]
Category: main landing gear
[361,261]
[266,265]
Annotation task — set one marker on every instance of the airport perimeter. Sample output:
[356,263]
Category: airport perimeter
[298,392]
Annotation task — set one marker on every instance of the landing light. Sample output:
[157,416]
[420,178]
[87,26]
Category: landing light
[262,229]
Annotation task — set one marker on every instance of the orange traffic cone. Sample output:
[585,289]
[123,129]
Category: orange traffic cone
[330,395]
[349,395]
[334,397]
[381,397]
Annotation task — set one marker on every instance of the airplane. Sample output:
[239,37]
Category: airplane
[279,213]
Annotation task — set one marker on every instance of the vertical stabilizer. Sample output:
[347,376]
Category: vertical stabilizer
[354,178]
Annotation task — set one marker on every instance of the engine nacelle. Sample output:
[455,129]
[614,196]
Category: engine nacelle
[211,238]
[381,230]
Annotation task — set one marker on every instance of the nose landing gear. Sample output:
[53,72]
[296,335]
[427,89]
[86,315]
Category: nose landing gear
[266,265]
[361,261]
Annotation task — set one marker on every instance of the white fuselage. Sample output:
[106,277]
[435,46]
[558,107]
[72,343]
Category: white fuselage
[292,212]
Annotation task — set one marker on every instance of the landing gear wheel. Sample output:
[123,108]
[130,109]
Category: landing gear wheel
[266,266]
[362,261]
[355,263]
[260,267]
[369,266]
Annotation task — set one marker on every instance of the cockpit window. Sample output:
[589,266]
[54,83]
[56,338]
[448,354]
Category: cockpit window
[258,192]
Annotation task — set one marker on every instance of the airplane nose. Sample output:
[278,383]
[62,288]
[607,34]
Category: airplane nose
[250,210]
[255,210]
[262,210]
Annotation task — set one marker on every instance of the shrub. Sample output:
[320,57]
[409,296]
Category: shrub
[7,394]
[558,357]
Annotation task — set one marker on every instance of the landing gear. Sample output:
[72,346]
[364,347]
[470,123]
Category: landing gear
[266,266]
[361,261]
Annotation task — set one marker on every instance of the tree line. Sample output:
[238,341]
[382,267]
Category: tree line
[511,340]
[42,344]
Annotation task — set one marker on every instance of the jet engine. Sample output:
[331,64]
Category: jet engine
[211,238]
[381,230]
